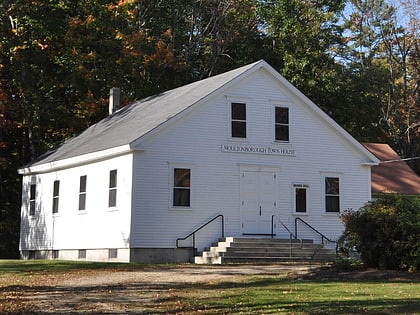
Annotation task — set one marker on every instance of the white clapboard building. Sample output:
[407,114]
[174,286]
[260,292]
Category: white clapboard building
[240,154]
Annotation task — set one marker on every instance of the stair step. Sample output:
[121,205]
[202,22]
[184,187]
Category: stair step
[260,250]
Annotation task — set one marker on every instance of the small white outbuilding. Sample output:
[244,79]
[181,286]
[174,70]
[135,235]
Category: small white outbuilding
[244,146]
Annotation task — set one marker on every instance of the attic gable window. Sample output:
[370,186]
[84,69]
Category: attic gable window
[281,123]
[112,200]
[56,195]
[238,114]
[182,187]
[32,196]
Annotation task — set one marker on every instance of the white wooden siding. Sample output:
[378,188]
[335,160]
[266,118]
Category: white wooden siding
[97,227]
[196,139]
[145,218]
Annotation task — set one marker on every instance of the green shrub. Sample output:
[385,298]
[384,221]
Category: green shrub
[385,232]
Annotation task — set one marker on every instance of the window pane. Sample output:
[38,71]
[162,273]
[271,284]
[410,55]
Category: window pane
[82,201]
[282,115]
[332,186]
[32,192]
[332,203]
[282,132]
[181,197]
[56,188]
[82,253]
[83,180]
[182,177]
[238,129]
[112,198]
[300,200]
[113,179]
[32,207]
[55,205]
[238,111]
[113,253]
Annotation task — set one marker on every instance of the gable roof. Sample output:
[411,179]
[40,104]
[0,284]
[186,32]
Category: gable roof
[116,133]
[392,175]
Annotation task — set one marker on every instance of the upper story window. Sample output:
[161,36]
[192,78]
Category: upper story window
[281,123]
[56,195]
[332,194]
[238,115]
[112,200]
[32,196]
[182,187]
[82,192]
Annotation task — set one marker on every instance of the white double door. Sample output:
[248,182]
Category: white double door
[258,201]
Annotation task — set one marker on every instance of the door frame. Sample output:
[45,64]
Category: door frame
[260,169]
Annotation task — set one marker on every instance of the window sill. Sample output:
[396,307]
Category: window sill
[281,142]
[180,208]
[82,212]
[329,214]
[113,209]
[301,214]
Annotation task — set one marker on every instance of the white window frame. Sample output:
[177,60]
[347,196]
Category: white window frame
[56,197]
[32,199]
[241,100]
[274,105]
[172,187]
[306,187]
[324,193]
[82,193]
[112,189]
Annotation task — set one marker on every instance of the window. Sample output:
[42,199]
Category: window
[112,200]
[182,187]
[82,254]
[32,194]
[82,192]
[56,193]
[238,120]
[112,253]
[281,124]
[332,194]
[55,254]
[301,198]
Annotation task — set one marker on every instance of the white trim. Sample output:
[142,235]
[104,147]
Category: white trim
[312,106]
[229,101]
[285,104]
[172,167]
[340,194]
[305,186]
[77,160]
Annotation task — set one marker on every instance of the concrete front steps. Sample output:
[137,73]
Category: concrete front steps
[264,250]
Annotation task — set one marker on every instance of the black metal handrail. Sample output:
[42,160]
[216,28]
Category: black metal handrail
[314,229]
[291,235]
[272,225]
[198,229]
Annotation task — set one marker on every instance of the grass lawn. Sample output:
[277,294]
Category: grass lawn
[316,293]
[275,295]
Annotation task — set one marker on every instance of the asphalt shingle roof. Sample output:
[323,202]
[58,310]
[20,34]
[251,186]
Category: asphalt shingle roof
[134,121]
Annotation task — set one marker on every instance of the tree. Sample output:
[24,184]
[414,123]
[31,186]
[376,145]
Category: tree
[383,55]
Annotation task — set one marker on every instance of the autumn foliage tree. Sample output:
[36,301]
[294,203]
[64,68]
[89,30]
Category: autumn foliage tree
[59,58]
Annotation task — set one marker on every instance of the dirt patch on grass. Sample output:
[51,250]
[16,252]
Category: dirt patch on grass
[139,291]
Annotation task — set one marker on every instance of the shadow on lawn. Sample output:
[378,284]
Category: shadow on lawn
[256,295]
[27,266]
